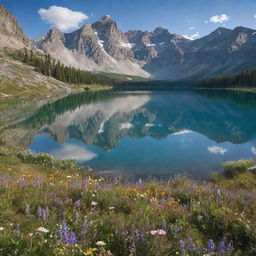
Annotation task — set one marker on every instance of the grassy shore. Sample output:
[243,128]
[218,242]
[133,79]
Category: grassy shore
[51,207]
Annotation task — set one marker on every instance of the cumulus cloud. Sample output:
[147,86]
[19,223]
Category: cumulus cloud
[253,150]
[219,19]
[255,16]
[217,150]
[62,18]
[193,36]
[192,28]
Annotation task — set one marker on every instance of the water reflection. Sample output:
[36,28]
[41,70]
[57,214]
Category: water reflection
[148,133]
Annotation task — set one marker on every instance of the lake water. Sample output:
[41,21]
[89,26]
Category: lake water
[148,134]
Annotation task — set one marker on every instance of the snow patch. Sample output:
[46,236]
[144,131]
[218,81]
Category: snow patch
[101,42]
[181,132]
[101,130]
[126,126]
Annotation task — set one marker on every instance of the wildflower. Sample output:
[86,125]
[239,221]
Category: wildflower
[39,212]
[27,210]
[85,225]
[159,232]
[182,247]
[1,228]
[42,229]
[101,243]
[63,231]
[71,238]
[211,246]
[89,251]
[221,247]
[111,208]
[77,203]
[94,203]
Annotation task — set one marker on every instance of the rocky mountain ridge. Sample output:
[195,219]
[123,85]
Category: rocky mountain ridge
[103,47]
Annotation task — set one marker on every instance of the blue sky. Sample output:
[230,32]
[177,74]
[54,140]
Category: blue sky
[185,17]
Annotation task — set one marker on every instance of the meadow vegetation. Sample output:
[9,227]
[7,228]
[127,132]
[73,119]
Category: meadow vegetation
[52,207]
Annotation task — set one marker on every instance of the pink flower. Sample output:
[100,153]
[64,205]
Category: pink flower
[158,232]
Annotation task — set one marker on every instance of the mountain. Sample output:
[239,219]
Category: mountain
[10,31]
[94,47]
[103,47]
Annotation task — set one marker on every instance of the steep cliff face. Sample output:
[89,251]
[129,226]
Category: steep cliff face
[10,31]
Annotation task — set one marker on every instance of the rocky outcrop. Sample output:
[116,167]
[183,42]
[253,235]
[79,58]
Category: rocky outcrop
[10,31]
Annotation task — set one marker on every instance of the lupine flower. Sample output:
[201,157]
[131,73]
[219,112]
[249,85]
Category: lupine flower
[211,246]
[182,247]
[71,238]
[39,212]
[63,232]
[85,225]
[222,245]
[27,210]
[78,203]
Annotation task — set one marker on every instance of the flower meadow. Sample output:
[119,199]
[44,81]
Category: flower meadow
[51,207]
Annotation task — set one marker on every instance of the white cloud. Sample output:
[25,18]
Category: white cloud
[253,150]
[255,16]
[62,18]
[78,153]
[192,28]
[217,150]
[193,36]
[219,19]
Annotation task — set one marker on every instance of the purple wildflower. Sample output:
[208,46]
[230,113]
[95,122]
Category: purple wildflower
[222,246]
[182,247]
[63,232]
[85,225]
[39,212]
[78,203]
[211,246]
[71,238]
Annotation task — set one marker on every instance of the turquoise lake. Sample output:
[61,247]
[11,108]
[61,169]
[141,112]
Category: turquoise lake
[148,134]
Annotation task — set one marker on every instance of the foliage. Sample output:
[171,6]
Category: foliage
[48,66]
[243,79]
[51,207]
[232,168]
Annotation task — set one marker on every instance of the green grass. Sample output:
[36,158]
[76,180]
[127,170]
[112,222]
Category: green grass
[152,218]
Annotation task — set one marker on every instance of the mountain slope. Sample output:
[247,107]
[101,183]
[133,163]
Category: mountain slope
[94,47]
[10,31]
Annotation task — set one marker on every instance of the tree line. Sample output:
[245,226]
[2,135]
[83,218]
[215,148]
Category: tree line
[49,66]
[243,79]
